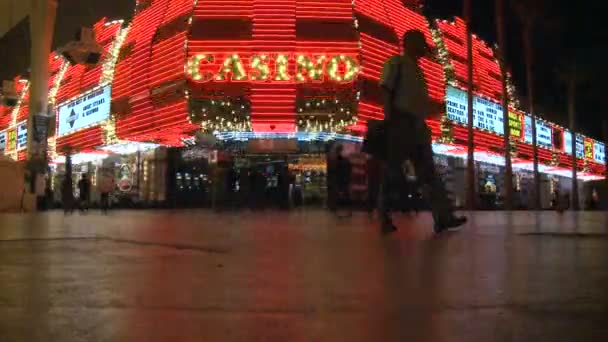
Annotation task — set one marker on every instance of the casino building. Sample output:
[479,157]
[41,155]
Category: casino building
[271,79]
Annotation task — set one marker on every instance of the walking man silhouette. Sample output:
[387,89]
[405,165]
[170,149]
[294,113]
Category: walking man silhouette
[406,106]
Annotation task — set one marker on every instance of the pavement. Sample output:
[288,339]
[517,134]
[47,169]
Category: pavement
[304,275]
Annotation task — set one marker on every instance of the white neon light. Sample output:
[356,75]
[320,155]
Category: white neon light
[80,158]
[300,136]
[518,165]
[129,147]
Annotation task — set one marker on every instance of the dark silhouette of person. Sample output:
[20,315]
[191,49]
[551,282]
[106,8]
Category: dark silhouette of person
[283,186]
[84,185]
[252,199]
[67,187]
[343,178]
[244,187]
[106,186]
[331,159]
[406,106]
[67,195]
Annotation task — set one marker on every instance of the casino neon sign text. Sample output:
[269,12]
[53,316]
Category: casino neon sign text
[299,68]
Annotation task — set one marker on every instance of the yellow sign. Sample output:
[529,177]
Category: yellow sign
[515,123]
[12,140]
[588,149]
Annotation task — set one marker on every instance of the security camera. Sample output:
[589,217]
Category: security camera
[83,50]
[9,94]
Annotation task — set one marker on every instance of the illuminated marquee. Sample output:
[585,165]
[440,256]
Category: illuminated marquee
[273,67]
[3,137]
[11,145]
[588,149]
[516,125]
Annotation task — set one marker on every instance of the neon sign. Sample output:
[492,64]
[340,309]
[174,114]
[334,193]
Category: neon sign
[588,144]
[3,136]
[22,136]
[599,153]
[299,68]
[85,111]
[12,140]
[516,125]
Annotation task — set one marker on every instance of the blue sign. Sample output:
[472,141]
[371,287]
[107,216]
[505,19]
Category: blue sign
[544,133]
[22,135]
[568,143]
[2,142]
[599,152]
[580,144]
[487,115]
[85,111]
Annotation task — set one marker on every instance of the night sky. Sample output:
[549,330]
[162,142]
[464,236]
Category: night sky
[567,31]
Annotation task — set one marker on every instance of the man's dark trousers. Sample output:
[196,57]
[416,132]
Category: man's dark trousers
[408,137]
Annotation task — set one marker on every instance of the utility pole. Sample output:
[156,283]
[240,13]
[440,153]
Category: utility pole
[502,57]
[572,118]
[471,181]
[527,32]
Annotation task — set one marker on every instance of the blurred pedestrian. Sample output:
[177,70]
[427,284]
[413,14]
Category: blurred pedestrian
[406,106]
[253,197]
[409,192]
[67,195]
[331,160]
[244,187]
[107,184]
[230,183]
[594,200]
[343,180]
[84,186]
[67,186]
[563,202]
[283,186]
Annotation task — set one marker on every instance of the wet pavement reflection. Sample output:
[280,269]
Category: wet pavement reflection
[301,276]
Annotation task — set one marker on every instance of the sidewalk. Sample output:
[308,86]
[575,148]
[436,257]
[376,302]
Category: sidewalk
[301,276]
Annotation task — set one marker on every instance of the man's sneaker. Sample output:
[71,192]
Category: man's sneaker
[454,224]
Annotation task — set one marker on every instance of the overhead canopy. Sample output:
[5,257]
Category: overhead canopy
[71,15]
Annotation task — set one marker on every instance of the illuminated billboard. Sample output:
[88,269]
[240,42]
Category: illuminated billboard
[599,153]
[2,141]
[85,111]
[22,136]
[544,133]
[516,124]
[588,143]
[487,115]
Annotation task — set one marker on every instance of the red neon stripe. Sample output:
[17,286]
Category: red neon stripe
[486,73]
[267,14]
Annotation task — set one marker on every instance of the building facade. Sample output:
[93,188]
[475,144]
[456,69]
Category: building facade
[257,70]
